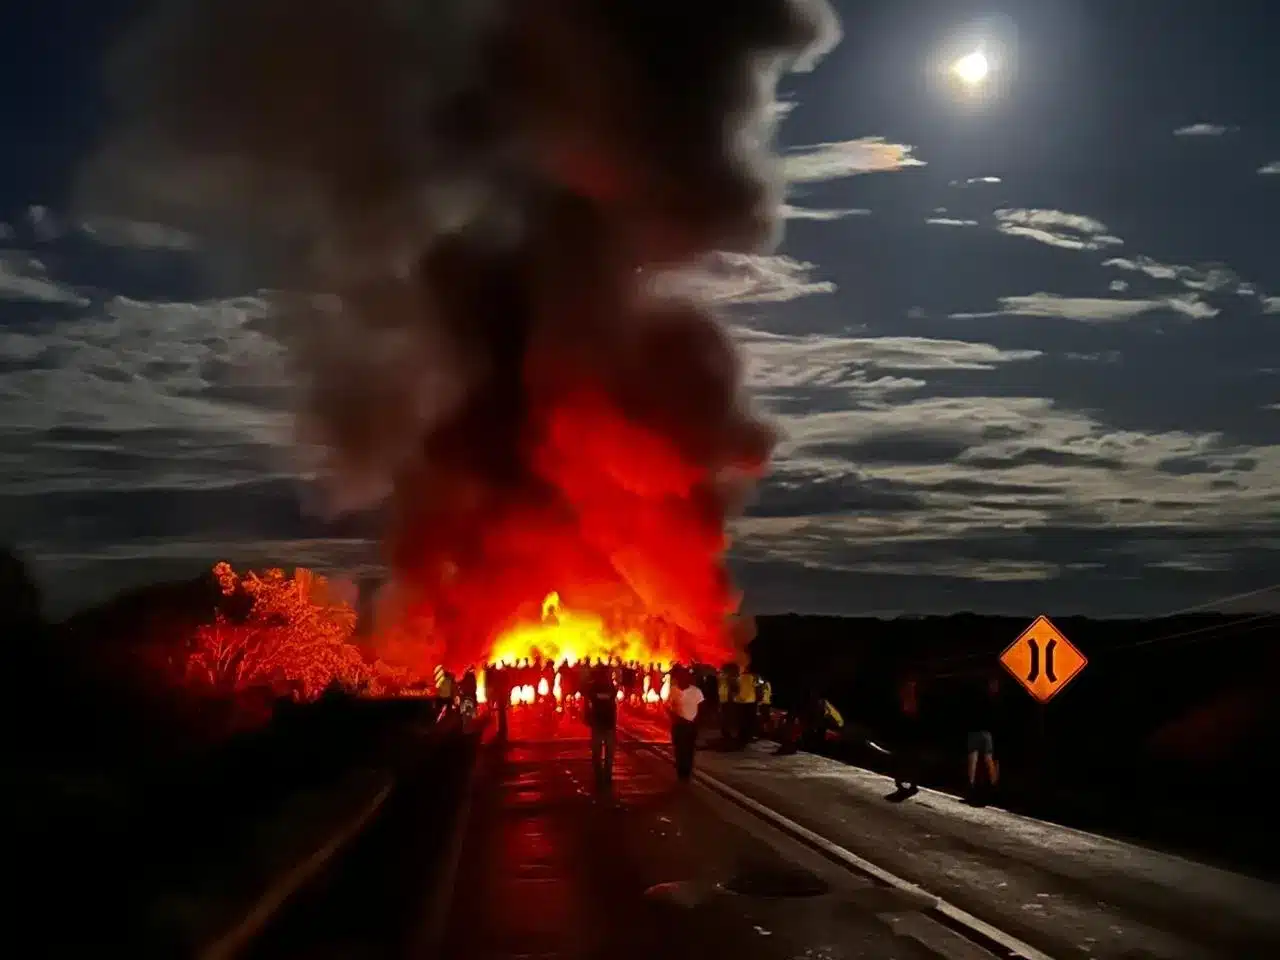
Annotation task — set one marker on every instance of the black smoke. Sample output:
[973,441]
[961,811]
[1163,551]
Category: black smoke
[461,204]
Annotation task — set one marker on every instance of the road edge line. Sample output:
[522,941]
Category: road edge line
[231,942]
[834,851]
[432,930]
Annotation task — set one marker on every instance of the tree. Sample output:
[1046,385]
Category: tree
[295,637]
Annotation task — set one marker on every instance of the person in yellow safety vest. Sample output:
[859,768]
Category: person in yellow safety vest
[444,690]
[820,721]
[746,700]
[723,695]
[764,696]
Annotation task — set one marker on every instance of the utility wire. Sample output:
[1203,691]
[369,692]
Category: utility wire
[1198,608]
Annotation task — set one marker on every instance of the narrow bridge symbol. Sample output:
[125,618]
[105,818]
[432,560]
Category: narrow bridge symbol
[1043,660]
[1034,675]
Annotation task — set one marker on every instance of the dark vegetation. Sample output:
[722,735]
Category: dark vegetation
[1167,734]
[125,785]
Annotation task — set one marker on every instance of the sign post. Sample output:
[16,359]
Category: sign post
[1044,661]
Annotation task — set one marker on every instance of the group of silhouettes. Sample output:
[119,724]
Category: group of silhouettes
[542,681]
[740,699]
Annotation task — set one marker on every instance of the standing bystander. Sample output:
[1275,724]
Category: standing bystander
[683,704]
[602,716]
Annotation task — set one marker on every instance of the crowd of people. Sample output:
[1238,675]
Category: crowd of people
[591,690]
[735,698]
[534,680]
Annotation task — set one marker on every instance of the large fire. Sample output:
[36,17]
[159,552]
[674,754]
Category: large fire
[620,555]
[488,345]
[536,655]
[564,635]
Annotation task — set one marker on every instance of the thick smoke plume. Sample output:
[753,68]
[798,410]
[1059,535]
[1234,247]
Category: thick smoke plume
[467,201]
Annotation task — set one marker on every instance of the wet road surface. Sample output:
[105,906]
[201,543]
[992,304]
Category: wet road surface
[552,867]
[546,865]
[1067,892]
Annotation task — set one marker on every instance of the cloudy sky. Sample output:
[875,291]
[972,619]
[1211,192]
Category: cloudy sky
[1023,338]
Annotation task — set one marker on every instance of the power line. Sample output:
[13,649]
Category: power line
[1198,630]
[1214,603]
[1209,628]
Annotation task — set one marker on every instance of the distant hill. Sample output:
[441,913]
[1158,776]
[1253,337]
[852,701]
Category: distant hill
[1197,688]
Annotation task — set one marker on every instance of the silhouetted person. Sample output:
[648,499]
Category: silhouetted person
[983,716]
[548,674]
[764,700]
[683,704]
[726,686]
[819,721]
[467,692]
[745,700]
[497,690]
[568,681]
[445,691]
[601,704]
[907,755]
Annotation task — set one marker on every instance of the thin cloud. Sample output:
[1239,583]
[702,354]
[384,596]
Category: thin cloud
[788,360]
[137,234]
[1056,228]
[1270,169]
[1094,309]
[951,222]
[1208,278]
[136,365]
[974,181]
[736,278]
[791,212]
[23,277]
[1203,130]
[846,158]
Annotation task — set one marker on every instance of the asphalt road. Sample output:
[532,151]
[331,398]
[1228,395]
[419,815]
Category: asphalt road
[546,865]
[551,866]
[1066,892]
[375,898]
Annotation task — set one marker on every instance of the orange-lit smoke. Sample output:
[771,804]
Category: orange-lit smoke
[472,200]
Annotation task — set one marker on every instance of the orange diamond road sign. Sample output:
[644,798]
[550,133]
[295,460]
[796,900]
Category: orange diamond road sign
[1043,660]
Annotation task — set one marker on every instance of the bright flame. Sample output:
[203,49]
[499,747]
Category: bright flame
[543,689]
[571,635]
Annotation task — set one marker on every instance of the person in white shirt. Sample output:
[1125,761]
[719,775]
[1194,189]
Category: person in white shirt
[683,705]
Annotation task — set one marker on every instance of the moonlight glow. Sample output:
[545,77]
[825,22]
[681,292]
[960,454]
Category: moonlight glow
[972,68]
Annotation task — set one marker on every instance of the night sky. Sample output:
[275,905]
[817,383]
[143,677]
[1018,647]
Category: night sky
[1023,336]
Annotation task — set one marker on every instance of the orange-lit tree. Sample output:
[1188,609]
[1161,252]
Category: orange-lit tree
[295,638]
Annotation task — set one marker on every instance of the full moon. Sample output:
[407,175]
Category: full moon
[972,68]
